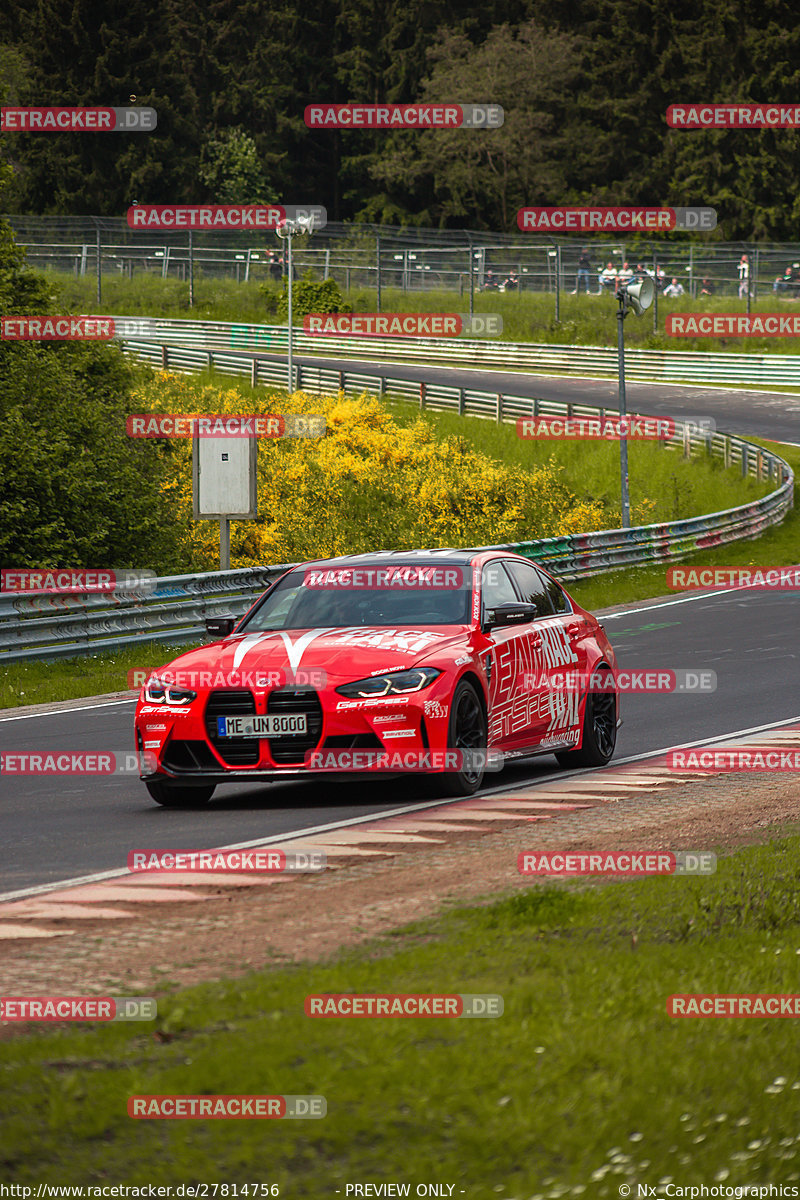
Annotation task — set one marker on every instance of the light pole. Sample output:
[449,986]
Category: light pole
[637,295]
[286,230]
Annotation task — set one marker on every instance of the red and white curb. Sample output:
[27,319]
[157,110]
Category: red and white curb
[119,895]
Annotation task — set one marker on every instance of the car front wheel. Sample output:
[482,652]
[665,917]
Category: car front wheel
[467,732]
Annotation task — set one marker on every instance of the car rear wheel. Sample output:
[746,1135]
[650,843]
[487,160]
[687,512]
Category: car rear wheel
[599,733]
[467,731]
[176,795]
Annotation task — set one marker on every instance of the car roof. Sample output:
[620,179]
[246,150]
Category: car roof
[382,557]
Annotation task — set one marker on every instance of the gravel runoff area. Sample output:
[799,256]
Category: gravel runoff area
[311,918]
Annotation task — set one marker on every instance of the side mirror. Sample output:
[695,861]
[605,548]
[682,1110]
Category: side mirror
[219,627]
[510,614]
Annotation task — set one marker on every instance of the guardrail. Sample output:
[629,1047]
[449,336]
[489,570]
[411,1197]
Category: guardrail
[662,365]
[41,626]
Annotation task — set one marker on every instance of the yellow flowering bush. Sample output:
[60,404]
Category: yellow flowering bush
[368,484]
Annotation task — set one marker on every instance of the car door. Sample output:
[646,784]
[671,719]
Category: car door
[505,663]
[557,657]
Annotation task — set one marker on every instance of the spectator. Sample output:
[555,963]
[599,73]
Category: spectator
[661,278]
[674,289]
[489,283]
[783,281]
[707,287]
[607,278]
[625,275]
[584,271]
[512,283]
[744,276]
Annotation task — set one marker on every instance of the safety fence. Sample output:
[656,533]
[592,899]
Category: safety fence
[192,345]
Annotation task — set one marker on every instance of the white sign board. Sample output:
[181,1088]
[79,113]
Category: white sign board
[224,478]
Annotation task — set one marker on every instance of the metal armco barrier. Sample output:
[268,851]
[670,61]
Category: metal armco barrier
[42,626]
[769,370]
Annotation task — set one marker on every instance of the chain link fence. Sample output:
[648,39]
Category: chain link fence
[408,258]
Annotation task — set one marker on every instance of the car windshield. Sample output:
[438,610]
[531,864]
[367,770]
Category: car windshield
[316,598]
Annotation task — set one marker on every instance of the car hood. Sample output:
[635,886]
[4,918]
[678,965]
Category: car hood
[342,653]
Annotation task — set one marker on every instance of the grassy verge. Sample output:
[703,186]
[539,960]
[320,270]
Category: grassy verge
[584,1086]
[41,682]
[527,316]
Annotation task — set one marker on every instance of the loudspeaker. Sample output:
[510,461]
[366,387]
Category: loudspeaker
[640,294]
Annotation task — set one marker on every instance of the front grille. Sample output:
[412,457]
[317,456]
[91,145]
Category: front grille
[189,756]
[292,748]
[236,752]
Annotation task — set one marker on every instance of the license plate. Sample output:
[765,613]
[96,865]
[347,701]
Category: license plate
[268,726]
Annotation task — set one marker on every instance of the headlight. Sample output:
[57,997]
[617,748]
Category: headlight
[396,683]
[158,692]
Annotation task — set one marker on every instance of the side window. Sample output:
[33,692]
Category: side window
[556,594]
[496,587]
[532,587]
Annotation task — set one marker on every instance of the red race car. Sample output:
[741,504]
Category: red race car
[439,661]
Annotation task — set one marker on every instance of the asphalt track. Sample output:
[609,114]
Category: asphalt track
[771,415]
[63,828]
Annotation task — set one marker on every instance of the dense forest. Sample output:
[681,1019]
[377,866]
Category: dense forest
[584,83]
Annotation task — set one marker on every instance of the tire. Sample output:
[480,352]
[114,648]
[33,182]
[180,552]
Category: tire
[599,738]
[467,730]
[176,795]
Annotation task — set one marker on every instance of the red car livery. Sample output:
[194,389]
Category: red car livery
[435,662]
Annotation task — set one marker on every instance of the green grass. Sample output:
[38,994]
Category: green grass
[527,316]
[584,1083]
[40,682]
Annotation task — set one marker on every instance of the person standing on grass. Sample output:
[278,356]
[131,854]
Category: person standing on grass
[584,271]
[674,289]
[744,276]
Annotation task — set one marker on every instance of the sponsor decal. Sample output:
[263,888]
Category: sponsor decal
[585,219]
[78,1008]
[221,216]
[385,578]
[604,681]
[377,702]
[399,733]
[72,581]
[718,1004]
[238,1107]
[433,708]
[260,680]
[765,578]
[594,428]
[403,760]
[164,708]
[349,1004]
[220,425]
[618,862]
[76,762]
[559,741]
[737,758]
[56,329]
[404,116]
[465,658]
[261,859]
[733,325]
[733,116]
[377,720]
[403,641]
[80,120]
[403,324]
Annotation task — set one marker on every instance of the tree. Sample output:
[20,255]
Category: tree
[232,171]
[481,177]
